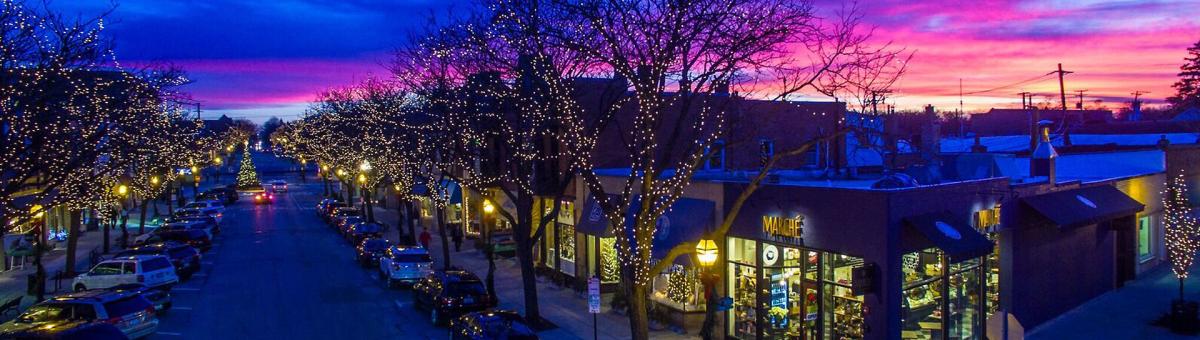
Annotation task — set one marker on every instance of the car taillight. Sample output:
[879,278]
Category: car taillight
[271,196]
[141,278]
[114,320]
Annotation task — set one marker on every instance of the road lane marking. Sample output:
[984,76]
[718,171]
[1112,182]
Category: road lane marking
[168,333]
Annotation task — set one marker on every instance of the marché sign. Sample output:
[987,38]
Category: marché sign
[783,227]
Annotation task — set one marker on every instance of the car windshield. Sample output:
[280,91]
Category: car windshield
[465,288]
[501,325]
[413,258]
[367,228]
[126,306]
[154,264]
[375,244]
[45,312]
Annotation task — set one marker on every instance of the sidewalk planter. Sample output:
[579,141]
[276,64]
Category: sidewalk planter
[1184,317]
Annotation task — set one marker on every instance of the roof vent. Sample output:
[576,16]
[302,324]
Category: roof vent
[895,180]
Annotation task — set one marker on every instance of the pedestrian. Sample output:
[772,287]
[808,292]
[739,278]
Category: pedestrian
[425,237]
[456,235]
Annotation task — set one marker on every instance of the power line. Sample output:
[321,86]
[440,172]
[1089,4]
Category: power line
[1019,83]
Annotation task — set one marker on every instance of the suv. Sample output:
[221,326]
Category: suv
[206,204]
[185,258]
[128,311]
[451,293]
[264,198]
[359,231]
[207,228]
[229,194]
[69,330]
[404,265]
[154,271]
[193,237]
[491,325]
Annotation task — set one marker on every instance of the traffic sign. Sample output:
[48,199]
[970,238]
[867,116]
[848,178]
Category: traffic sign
[594,295]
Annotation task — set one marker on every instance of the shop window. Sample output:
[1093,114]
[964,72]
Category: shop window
[743,283]
[940,300]
[792,304]
[742,251]
[843,317]
[679,288]
[1144,241]
[609,269]
[566,246]
[716,156]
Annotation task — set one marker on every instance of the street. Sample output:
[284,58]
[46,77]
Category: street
[277,272]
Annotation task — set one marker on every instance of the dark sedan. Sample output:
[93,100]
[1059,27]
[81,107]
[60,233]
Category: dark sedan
[369,250]
[491,325]
[359,231]
[451,293]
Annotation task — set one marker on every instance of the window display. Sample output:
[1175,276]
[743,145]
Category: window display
[744,283]
[609,269]
[566,248]
[679,288]
[941,300]
[843,309]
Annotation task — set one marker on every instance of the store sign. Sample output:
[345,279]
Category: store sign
[783,227]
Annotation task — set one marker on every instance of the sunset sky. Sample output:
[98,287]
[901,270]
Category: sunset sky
[257,59]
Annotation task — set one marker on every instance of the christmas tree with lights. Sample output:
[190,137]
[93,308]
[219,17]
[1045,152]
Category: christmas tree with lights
[247,177]
[1181,240]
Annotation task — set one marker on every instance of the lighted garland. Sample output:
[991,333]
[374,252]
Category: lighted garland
[1180,227]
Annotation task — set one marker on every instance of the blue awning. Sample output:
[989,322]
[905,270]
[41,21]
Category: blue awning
[950,234]
[686,222]
[453,190]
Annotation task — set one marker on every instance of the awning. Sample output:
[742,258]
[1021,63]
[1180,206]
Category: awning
[954,237]
[592,221]
[1084,206]
[453,190]
[685,222]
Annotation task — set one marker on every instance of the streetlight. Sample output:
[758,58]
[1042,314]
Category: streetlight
[488,208]
[122,191]
[707,253]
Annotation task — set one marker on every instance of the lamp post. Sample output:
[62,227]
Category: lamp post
[707,254]
[195,182]
[39,213]
[325,178]
[489,250]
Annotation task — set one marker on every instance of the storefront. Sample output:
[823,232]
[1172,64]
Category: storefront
[828,262]
[805,293]
[557,250]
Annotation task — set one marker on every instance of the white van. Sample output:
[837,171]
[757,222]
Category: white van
[154,271]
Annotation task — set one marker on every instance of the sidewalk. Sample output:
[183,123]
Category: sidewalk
[14,282]
[563,306]
[1125,313]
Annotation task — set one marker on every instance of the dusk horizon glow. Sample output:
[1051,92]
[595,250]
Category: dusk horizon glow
[258,60]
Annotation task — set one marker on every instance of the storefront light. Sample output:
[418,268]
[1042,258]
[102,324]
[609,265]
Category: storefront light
[706,252]
[488,208]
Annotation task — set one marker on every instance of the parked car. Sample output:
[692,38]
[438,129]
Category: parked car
[404,265]
[279,185]
[504,245]
[206,204]
[451,293]
[193,237]
[229,194]
[128,311]
[182,224]
[154,271]
[199,212]
[161,299]
[328,209]
[491,325]
[69,330]
[211,196]
[362,230]
[323,206]
[369,250]
[210,222]
[185,258]
[343,223]
[264,198]
[342,212]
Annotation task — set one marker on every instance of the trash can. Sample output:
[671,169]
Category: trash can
[32,289]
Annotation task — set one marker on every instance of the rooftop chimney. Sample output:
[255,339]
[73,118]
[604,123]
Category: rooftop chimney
[1041,162]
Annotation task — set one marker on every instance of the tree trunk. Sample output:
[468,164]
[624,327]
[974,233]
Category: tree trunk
[490,252]
[73,240]
[367,198]
[142,221]
[522,235]
[441,221]
[124,229]
[411,221]
[40,275]
[639,322]
[105,232]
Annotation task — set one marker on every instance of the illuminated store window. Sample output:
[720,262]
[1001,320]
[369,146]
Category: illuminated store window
[1144,247]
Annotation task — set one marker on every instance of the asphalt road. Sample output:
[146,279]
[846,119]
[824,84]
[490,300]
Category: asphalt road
[277,272]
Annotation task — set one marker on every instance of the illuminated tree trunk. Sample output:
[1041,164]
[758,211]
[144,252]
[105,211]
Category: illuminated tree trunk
[76,221]
[441,221]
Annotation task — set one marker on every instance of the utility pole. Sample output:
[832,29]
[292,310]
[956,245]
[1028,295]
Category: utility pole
[1137,94]
[1024,95]
[1062,90]
[1080,104]
[875,100]
[1033,118]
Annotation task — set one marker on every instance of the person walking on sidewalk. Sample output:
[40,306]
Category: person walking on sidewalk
[425,237]
[456,234]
